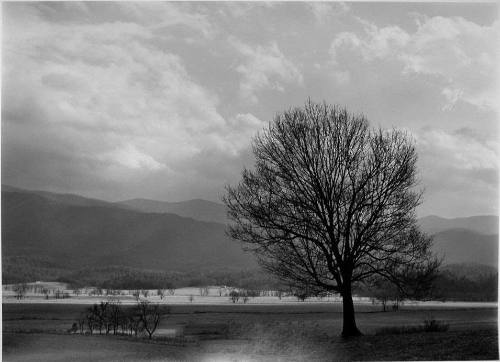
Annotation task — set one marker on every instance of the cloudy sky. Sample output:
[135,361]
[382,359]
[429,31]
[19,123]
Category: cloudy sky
[161,100]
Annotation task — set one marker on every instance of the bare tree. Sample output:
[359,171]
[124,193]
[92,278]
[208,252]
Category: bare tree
[150,316]
[246,298]
[384,291]
[234,296]
[91,319]
[136,294]
[134,322]
[330,203]
[81,323]
[20,290]
[46,292]
[160,293]
[114,314]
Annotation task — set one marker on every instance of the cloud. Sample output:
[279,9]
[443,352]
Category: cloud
[238,9]
[264,67]
[326,11]
[461,149]
[163,15]
[458,55]
[460,169]
[161,100]
[110,98]
[130,157]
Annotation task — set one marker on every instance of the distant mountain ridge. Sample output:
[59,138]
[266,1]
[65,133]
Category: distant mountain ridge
[466,246]
[73,231]
[74,236]
[483,224]
[198,209]
[68,199]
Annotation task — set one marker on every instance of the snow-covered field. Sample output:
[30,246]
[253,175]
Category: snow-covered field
[58,293]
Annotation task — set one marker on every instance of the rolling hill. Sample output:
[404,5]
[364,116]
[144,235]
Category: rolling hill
[464,240]
[483,224]
[67,199]
[198,209]
[75,236]
[70,232]
[465,246]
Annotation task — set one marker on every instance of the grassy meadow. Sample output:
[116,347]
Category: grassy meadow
[300,331]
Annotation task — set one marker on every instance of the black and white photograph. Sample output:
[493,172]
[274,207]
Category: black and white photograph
[249,180]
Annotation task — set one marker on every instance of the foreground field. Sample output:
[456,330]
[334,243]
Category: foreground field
[250,332]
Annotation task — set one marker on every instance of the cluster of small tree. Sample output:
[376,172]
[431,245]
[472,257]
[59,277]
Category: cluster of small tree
[304,292]
[61,294]
[20,290]
[111,318]
[244,295]
[145,293]
[385,292]
[164,292]
[96,291]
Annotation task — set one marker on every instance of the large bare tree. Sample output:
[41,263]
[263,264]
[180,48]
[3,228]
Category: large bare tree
[330,203]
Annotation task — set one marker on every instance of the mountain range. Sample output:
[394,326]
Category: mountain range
[75,232]
[72,232]
[484,224]
[197,209]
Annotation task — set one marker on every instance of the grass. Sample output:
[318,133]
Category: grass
[287,333]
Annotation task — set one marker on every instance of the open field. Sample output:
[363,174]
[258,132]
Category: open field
[212,295]
[307,331]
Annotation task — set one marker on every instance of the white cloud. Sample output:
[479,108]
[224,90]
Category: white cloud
[459,150]
[119,100]
[327,11]
[161,15]
[459,55]
[459,170]
[264,67]
[130,157]
[378,43]
[452,96]
[238,9]
[152,100]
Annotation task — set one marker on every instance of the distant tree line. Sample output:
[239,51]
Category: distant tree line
[483,288]
[448,285]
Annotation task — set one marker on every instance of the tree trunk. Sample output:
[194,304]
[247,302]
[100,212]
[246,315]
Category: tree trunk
[349,328]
